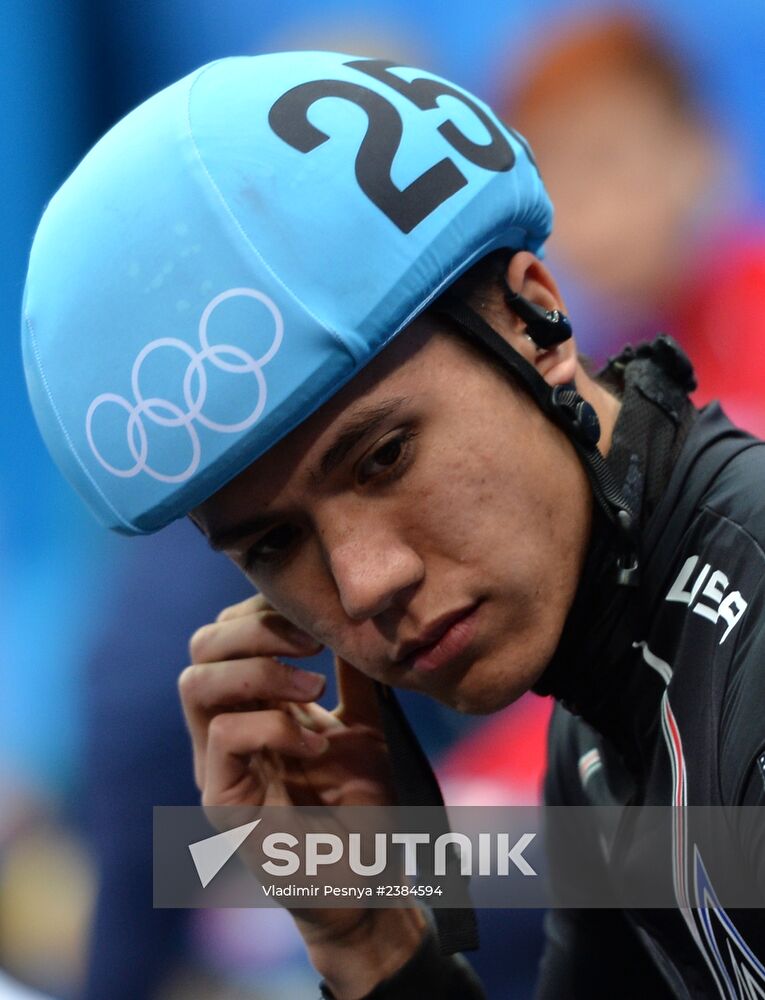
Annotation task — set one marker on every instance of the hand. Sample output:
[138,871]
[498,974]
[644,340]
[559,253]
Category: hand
[259,739]
[258,736]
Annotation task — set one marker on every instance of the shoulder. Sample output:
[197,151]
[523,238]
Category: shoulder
[705,545]
[735,513]
[737,492]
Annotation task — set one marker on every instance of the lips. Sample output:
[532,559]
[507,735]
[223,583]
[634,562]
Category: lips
[441,642]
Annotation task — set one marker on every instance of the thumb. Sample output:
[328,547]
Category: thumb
[357,696]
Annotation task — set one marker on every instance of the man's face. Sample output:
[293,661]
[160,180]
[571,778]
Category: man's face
[428,524]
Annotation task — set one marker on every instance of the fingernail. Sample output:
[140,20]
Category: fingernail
[309,683]
[315,741]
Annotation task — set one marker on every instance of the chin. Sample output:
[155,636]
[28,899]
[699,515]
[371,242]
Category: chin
[489,686]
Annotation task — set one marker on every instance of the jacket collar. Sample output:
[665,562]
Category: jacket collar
[594,671]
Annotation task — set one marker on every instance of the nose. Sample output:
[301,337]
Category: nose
[373,569]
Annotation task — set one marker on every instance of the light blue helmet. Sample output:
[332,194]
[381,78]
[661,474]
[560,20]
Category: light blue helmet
[237,248]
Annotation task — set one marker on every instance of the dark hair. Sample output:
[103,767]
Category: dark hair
[483,285]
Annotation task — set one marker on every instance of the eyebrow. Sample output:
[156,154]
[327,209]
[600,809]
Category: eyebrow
[229,536]
[364,422]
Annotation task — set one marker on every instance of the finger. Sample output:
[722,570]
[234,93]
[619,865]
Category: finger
[314,716]
[263,633]
[357,696]
[250,605]
[235,737]
[207,689]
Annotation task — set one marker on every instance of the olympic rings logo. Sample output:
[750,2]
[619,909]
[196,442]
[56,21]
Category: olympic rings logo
[165,413]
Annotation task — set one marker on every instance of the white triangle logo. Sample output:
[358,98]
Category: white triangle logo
[211,854]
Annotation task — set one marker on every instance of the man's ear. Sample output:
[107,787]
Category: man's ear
[529,277]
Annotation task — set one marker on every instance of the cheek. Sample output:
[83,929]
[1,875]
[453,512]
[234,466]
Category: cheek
[522,513]
[476,506]
[303,594]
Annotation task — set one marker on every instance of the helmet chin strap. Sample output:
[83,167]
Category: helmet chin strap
[561,403]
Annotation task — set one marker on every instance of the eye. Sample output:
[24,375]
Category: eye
[271,547]
[389,458]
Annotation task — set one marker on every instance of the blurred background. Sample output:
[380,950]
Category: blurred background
[647,124]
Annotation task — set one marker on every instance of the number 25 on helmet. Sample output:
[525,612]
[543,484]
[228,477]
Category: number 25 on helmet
[237,248]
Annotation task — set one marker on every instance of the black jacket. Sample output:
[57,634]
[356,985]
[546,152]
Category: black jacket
[667,699]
